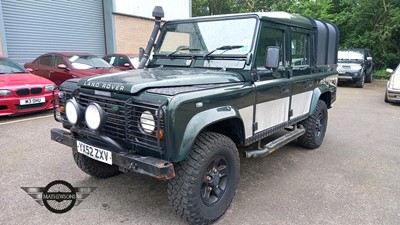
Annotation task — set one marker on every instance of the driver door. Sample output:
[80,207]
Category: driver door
[273,88]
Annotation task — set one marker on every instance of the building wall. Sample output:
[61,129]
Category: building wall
[131,33]
[173,9]
[1,47]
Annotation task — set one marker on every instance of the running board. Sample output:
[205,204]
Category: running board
[275,144]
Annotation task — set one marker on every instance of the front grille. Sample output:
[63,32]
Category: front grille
[36,90]
[23,91]
[139,134]
[115,109]
[123,120]
[32,106]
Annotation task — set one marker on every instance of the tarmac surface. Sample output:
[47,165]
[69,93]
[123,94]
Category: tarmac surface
[353,178]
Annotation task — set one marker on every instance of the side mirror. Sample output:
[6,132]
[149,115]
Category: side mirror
[141,53]
[30,70]
[272,57]
[389,70]
[62,66]
[369,58]
[127,65]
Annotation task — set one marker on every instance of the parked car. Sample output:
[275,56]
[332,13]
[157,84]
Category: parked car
[392,93]
[62,66]
[21,91]
[123,61]
[355,65]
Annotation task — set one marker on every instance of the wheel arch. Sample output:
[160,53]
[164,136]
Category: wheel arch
[224,120]
[323,94]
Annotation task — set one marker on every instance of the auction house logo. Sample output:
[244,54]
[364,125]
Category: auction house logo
[59,196]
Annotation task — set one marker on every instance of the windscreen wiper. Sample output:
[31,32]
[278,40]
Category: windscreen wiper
[225,47]
[183,49]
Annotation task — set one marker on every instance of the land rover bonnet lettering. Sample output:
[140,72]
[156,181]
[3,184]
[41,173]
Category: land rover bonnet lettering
[115,87]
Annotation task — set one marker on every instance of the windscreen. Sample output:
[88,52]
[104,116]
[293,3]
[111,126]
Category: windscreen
[7,66]
[204,37]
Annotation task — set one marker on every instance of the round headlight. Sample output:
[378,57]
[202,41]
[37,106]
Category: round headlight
[72,110]
[94,116]
[147,123]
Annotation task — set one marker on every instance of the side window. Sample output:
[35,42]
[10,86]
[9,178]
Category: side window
[111,60]
[45,60]
[107,59]
[59,60]
[270,37]
[300,49]
[122,60]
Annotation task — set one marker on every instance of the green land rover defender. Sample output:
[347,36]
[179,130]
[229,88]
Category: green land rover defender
[215,88]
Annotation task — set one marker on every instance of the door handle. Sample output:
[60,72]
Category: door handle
[309,85]
[284,91]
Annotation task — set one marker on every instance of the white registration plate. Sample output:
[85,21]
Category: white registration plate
[30,101]
[94,152]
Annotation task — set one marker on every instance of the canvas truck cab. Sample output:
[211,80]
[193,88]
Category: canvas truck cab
[214,85]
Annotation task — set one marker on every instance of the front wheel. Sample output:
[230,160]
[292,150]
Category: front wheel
[206,181]
[315,126]
[360,83]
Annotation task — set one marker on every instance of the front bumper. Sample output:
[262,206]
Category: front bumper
[393,96]
[349,76]
[11,105]
[147,165]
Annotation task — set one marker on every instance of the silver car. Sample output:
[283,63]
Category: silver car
[393,86]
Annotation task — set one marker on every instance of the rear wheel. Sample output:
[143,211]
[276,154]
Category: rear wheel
[206,181]
[315,126]
[93,167]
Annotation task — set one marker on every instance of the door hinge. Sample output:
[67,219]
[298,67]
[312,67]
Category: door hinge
[255,126]
[291,113]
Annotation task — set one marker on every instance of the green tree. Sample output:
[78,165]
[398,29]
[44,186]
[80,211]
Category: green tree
[373,24]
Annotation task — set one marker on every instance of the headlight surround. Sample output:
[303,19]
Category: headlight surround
[94,116]
[73,111]
[49,87]
[5,92]
[147,123]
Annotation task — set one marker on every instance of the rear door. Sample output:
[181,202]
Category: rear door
[273,85]
[300,73]
[43,66]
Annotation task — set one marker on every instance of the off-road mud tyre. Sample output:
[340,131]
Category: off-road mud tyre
[315,126]
[94,168]
[360,83]
[188,190]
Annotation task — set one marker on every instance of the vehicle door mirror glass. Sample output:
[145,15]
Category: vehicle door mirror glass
[127,65]
[30,70]
[272,57]
[369,58]
[62,66]
[141,53]
[389,70]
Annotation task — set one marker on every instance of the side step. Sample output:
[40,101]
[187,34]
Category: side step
[275,144]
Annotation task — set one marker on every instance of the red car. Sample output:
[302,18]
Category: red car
[21,91]
[123,61]
[62,66]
